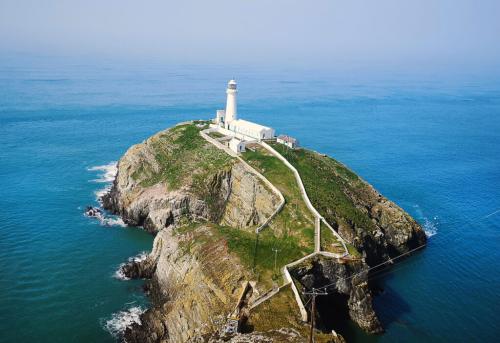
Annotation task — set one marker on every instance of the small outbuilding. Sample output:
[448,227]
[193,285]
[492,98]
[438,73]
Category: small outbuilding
[249,129]
[288,141]
[237,145]
[219,118]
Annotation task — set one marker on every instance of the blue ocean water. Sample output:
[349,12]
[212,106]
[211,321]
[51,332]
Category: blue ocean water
[430,143]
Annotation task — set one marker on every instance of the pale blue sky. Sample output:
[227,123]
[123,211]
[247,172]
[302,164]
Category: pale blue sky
[313,32]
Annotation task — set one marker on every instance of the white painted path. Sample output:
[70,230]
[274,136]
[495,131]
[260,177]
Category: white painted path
[318,217]
[317,222]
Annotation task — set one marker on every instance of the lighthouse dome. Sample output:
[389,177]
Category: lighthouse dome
[231,84]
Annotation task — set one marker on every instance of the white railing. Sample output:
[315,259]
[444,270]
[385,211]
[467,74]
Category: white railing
[307,201]
[297,177]
[298,298]
[318,217]
[253,171]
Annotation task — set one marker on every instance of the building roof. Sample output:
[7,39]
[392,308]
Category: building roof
[235,140]
[288,139]
[249,125]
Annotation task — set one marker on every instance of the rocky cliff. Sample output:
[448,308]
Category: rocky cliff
[346,283]
[164,179]
[203,206]
[376,226]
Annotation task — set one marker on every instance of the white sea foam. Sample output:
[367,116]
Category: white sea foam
[107,172]
[101,192]
[430,225]
[121,320]
[108,220]
[113,221]
[142,256]
[120,275]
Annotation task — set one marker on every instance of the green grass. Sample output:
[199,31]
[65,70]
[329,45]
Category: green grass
[295,218]
[330,242]
[256,251]
[272,315]
[353,251]
[327,182]
[184,158]
[292,230]
[216,135]
[242,244]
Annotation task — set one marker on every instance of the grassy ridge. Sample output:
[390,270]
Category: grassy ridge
[330,242]
[292,230]
[282,309]
[183,154]
[327,182]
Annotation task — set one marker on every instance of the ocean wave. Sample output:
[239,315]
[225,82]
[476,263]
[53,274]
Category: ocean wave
[107,220]
[119,274]
[430,226]
[101,192]
[142,256]
[113,221]
[121,320]
[108,172]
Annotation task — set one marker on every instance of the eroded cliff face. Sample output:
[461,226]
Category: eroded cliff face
[345,280]
[376,226]
[195,284]
[194,278]
[393,231]
[230,195]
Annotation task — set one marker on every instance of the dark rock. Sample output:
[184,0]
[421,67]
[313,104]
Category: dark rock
[151,329]
[348,280]
[139,268]
[91,211]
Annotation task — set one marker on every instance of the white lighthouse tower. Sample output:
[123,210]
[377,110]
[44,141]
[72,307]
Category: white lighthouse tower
[227,123]
[231,113]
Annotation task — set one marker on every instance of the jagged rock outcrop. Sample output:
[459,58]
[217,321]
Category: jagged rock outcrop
[338,275]
[376,226]
[393,231]
[194,278]
[138,268]
[232,196]
[195,285]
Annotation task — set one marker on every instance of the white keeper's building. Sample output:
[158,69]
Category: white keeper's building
[228,120]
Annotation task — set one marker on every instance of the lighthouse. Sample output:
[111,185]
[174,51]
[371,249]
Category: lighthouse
[228,124]
[231,113]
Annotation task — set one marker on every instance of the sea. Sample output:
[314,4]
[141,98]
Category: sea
[430,141]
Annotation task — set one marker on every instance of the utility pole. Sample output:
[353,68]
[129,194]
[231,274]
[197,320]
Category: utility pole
[275,258]
[313,294]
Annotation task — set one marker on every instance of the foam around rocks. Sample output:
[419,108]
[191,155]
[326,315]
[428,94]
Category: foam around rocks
[121,320]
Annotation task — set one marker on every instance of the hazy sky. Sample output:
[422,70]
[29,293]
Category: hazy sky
[258,31]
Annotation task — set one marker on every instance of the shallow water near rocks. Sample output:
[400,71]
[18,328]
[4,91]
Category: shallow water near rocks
[431,144]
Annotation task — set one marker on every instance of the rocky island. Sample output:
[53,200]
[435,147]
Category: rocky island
[240,243]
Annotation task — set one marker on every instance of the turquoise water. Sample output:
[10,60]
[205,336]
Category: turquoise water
[430,143]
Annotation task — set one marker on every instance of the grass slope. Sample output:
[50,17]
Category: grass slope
[292,230]
[282,311]
[185,158]
[327,182]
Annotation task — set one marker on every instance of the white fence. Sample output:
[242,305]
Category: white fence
[253,171]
